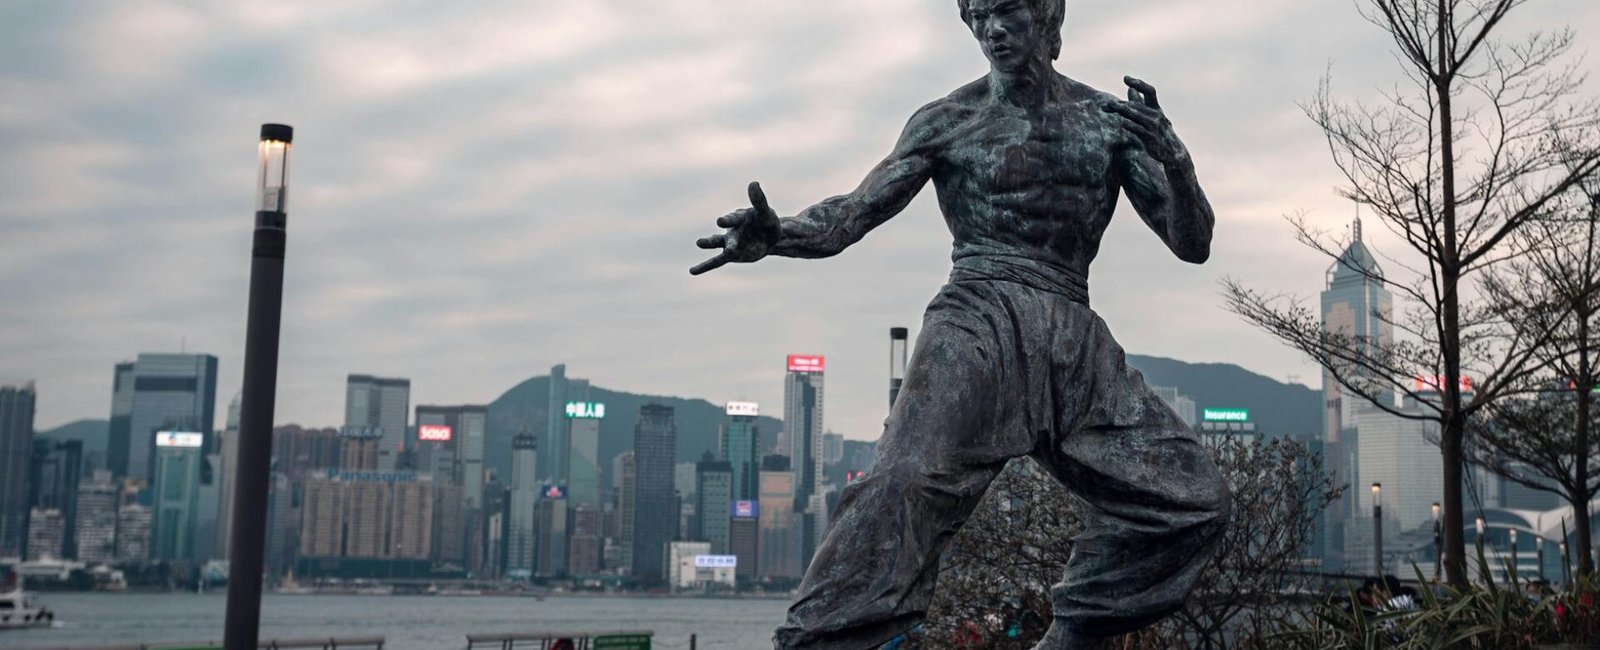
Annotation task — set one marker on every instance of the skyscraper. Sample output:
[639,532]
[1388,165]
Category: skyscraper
[778,552]
[382,404]
[1355,303]
[16,453]
[177,487]
[740,440]
[655,444]
[520,529]
[802,418]
[95,527]
[120,428]
[554,532]
[554,443]
[46,533]
[713,498]
[53,485]
[133,533]
[450,443]
[802,422]
[581,471]
[832,448]
[626,473]
[170,392]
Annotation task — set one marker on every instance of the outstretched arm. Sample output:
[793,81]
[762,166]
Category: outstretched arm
[828,227]
[1159,177]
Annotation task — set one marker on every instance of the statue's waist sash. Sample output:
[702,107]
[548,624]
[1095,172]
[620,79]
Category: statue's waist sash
[1030,272]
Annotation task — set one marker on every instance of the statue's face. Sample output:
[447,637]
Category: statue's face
[1006,31]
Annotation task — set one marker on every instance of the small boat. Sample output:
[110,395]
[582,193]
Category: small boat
[18,610]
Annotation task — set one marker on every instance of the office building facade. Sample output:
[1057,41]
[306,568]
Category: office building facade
[169,392]
[16,453]
[655,444]
[381,404]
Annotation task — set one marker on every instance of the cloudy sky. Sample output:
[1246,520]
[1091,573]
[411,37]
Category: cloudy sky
[484,189]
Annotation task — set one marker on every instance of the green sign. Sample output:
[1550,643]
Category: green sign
[586,410]
[1226,415]
[622,642]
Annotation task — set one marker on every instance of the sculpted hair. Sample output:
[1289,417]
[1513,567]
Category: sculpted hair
[1051,14]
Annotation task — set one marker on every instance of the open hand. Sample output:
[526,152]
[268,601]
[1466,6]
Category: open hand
[1142,117]
[751,234]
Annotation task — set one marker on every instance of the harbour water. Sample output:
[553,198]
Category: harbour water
[407,622]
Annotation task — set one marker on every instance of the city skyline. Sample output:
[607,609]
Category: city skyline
[676,108]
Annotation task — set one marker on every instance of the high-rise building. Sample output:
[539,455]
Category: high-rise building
[582,469]
[832,448]
[46,533]
[802,422]
[177,494]
[302,453]
[655,445]
[778,552]
[554,443]
[368,515]
[133,534]
[521,540]
[95,526]
[450,444]
[119,430]
[170,392]
[554,532]
[382,404]
[283,524]
[625,473]
[227,469]
[16,454]
[53,485]
[740,439]
[1393,451]
[1355,303]
[713,497]
[584,552]
[744,532]
[410,520]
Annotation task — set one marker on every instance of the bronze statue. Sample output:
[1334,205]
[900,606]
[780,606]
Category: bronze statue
[1010,361]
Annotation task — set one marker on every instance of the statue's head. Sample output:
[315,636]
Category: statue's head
[1015,32]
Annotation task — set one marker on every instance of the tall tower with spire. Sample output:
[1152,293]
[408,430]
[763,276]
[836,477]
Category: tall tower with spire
[1356,303]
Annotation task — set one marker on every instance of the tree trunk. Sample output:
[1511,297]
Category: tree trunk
[1452,417]
[1584,385]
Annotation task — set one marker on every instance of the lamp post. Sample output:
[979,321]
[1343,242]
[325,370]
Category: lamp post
[1436,542]
[258,399]
[897,361]
[1538,540]
[1514,566]
[1566,564]
[1377,528]
[1482,525]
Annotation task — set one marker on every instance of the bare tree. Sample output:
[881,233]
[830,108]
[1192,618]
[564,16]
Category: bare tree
[1546,441]
[994,584]
[1486,135]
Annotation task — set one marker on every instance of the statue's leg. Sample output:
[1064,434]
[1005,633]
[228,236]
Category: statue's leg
[1157,503]
[949,434]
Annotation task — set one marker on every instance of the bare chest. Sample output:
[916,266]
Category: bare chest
[1004,150]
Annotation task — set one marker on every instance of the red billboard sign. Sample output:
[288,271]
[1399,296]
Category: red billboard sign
[805,363]
[1435,383]
[434,432]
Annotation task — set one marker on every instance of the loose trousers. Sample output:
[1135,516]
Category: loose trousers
[1011,362]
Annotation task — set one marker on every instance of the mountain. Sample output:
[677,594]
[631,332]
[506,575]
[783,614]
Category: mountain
[1275,407]
[699,423]
[93,433]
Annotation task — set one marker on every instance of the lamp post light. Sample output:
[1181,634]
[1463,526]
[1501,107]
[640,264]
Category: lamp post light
[1437,542]
[1377,528]
[1566,564]
[897,361]
[249,531]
